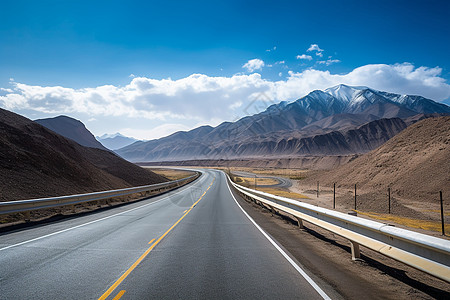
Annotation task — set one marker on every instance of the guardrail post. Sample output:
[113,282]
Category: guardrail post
[300,223]
[355,250]
[26,216]
[272,210]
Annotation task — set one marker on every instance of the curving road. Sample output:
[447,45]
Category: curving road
[282,181]
[192,243]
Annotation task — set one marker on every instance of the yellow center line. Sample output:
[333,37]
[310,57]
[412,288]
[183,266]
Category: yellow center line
[151,241]
[119,295]
[124,275]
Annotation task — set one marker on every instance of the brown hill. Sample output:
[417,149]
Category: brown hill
[72,129]
[415,163]
[36,162]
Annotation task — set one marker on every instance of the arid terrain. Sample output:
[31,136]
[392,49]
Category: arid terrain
[36,162]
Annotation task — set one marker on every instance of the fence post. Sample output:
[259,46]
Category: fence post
[334,195]
[389,196]
[355,196]
[442,213]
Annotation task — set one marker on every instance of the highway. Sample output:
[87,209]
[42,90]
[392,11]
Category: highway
[192,243]
[282,181]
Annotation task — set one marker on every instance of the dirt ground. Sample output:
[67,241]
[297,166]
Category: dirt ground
[405,213]
[172,174]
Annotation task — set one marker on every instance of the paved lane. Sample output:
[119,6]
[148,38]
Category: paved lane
[282,182]
[192,243]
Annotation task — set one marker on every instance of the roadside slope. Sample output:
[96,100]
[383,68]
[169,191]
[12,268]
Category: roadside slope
[36,162]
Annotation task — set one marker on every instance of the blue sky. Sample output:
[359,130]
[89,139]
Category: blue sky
[84,47]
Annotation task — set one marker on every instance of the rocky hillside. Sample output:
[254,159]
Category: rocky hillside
[37,162]
[72,129]
[415,163]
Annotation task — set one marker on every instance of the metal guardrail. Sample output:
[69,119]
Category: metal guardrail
[423,252]
[34,204]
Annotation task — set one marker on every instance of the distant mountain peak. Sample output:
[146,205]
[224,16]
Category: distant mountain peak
[115,141]
[336,109]
[110,135]
[345,92]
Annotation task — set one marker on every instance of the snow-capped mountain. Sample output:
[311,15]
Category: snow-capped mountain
[356,99]
[337,109]
[115,141]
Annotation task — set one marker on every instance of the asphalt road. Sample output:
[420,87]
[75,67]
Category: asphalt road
[282,182]
[192,243]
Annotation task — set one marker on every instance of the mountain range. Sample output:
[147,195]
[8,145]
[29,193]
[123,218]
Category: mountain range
[38,162]
[337,121]
[115,141]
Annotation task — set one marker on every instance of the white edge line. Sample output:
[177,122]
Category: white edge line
[288,258]
[91,222]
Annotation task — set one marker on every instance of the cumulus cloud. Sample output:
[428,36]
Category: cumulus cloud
[304,56]
[314,47]
[253,65]
[154,133]
[201,98]
[329,61]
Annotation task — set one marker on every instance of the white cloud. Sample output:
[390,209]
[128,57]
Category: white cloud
[398,78]
[304,56]
[203,99]
[154,133]
[280,74]
[319,54]
[329,61]
[236,105]
[281,62]
[272,49]
[253,65]
[314,47]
